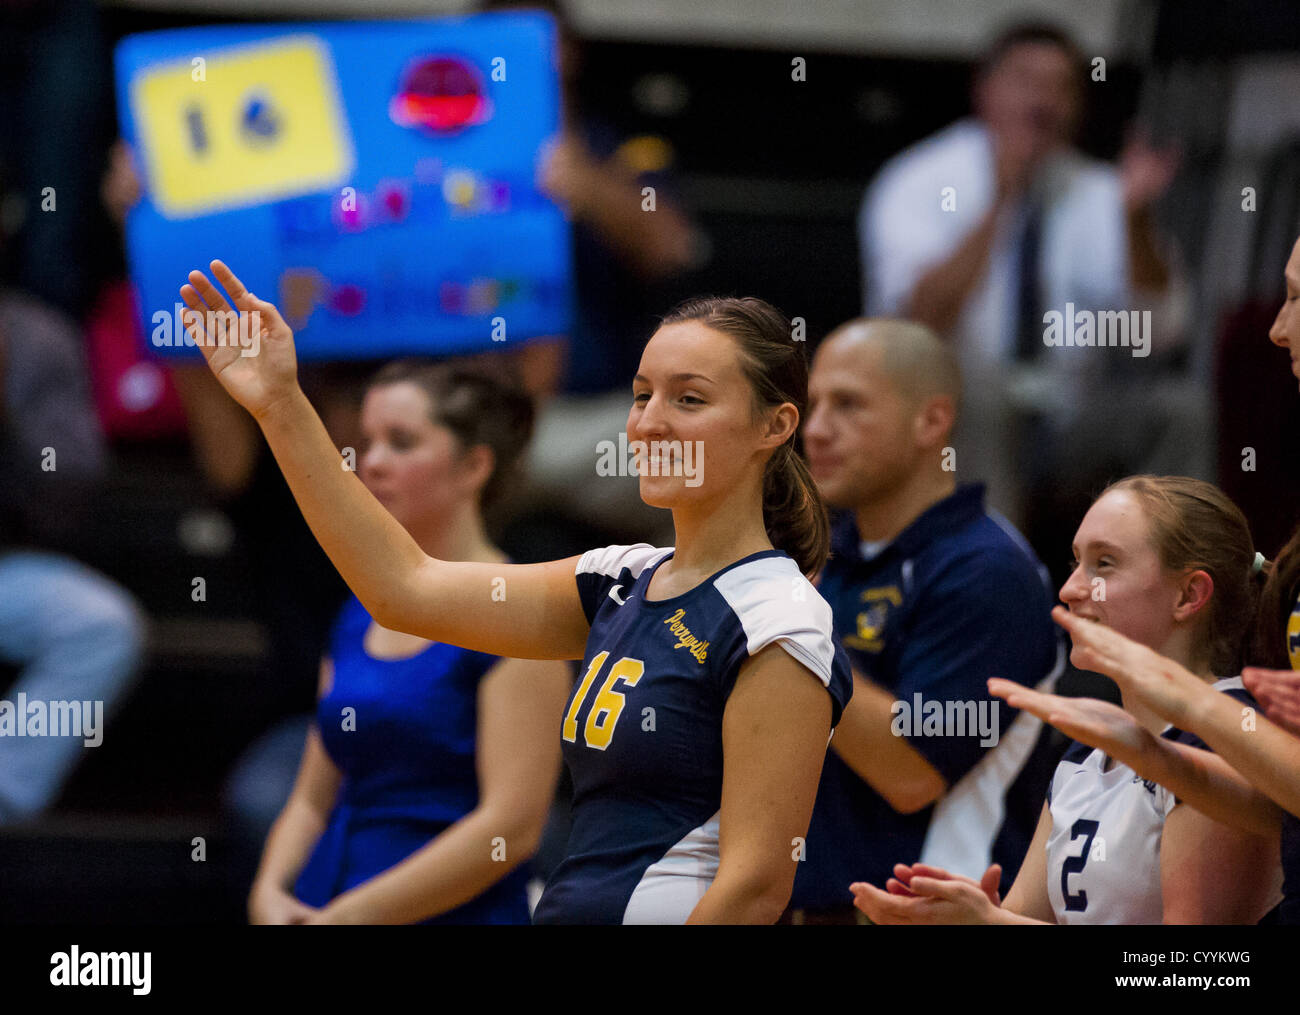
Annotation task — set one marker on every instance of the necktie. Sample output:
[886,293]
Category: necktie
[1029,331]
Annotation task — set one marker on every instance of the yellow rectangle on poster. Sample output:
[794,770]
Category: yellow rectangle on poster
[241,126]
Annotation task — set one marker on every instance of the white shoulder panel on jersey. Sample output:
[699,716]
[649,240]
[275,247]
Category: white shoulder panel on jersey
[610,560]
[774,602]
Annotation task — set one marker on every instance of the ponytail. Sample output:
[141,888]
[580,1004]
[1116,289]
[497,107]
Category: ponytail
[1277,601]
[793,511]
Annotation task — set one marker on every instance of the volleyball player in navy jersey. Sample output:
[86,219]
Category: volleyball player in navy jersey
[1167,560]
[697,732]
[426,778]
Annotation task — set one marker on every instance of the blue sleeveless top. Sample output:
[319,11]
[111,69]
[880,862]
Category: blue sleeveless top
[402,732]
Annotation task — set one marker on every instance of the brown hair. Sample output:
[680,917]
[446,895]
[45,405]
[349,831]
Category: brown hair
[1276,601]
[776,367]
[1195,526]
[476,408]
[1037,33]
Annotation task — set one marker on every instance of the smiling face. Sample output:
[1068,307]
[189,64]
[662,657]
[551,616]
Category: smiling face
[1286,328]
[413,466]
[1135,596]
[691,388]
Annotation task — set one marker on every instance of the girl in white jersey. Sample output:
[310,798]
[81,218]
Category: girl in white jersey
[1253,782]
[1166,561]
[665,664]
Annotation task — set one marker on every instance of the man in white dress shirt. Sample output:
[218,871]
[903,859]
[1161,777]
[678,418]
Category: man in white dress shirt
[996,229]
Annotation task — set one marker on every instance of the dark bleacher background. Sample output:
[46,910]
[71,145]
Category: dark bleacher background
[772,169]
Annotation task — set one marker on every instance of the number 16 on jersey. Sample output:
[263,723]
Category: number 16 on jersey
[608,705]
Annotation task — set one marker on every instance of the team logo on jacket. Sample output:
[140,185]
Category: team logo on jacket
[870,633]
[693,645]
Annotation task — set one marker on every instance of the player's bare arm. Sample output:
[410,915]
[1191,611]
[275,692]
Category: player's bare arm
[527,611]
[774,733]
[1197,777]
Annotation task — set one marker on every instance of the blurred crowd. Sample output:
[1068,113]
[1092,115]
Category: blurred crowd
[977,231]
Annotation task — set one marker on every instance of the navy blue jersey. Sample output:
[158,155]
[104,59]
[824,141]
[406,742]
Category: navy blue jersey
[956,598]
[1103,853]
[643,728]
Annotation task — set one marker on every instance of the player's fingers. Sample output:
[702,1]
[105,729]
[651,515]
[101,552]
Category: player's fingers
[270,314]
[1019,696]
[190,297]
[1001,687]
[192,321]
[938,888]
[1275,685]
[230,281]
[895,887]
[192,318]
[210,293]
[924,870]
[879,906]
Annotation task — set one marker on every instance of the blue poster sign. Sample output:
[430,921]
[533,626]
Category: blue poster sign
[377,181]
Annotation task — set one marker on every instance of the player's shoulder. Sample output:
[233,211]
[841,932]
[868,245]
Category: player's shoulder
[771,585]
[1076,753]
[1073,764]
[600,573]
[1235,689]
[773,600]
[620,561]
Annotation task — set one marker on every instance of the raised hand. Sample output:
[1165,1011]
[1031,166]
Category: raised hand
[1145,171]
[566,173]
[245,341]
[1087,720]
[1145,676]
